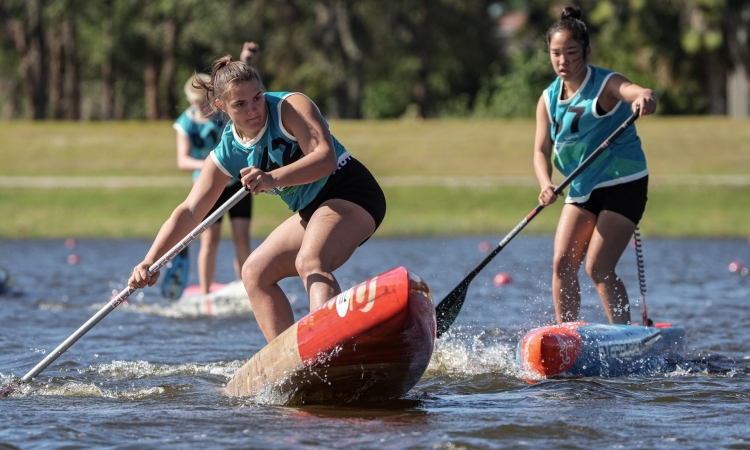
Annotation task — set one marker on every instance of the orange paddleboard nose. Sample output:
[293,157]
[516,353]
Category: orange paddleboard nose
[550,351]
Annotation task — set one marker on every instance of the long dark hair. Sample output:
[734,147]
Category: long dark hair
[226,73]
[570,21]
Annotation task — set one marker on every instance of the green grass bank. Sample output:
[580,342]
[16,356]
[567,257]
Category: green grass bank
[440,177]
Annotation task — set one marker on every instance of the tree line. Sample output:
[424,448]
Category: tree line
[128,59]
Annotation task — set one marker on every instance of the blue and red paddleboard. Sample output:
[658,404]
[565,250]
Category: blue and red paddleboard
[583,349]
[371,342]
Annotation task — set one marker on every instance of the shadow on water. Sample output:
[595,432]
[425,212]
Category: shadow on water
[399,408]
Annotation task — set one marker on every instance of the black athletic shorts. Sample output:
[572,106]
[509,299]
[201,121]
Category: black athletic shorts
[242,210]
[628,199]
[354,183]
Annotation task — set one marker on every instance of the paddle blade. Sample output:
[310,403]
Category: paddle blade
[176,277]
[447,310]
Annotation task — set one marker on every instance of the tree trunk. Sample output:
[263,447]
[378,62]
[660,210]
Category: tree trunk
[56,73]
[421,89]
[73,70]
[10,91]
[30,46]
[168,105]
[350,89]
[151,80]
[108,91]
[716,84]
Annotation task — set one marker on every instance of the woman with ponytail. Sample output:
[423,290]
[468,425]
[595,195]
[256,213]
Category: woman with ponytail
[574,115]
[278,143]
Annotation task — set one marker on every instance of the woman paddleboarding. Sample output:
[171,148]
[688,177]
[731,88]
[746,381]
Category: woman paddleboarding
[583,106]
[279,143]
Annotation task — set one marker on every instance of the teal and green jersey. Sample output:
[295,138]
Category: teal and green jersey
[271,148]
[204,135]
[577,129]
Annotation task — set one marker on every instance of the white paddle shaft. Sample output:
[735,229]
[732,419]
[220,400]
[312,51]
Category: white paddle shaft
[125,293]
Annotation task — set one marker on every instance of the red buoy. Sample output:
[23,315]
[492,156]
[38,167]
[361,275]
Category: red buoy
[74,259]
[735,266]
[484,247]
[501,279]
[70,243]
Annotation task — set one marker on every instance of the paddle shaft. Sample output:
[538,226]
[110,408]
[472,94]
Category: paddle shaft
[125,293]
[453,302]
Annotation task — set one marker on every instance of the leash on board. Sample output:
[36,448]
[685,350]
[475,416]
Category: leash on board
[641,275]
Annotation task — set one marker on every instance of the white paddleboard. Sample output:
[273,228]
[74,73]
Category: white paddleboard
[228,299]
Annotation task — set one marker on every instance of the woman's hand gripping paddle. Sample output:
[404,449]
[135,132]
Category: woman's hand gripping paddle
[124,294]
[447,310]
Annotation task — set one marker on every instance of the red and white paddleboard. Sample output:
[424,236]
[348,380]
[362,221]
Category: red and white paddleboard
[371,342]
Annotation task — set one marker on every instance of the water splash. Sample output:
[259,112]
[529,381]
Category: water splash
[476,356]
[126,370]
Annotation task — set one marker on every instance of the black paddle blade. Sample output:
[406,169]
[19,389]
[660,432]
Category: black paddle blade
[447,310]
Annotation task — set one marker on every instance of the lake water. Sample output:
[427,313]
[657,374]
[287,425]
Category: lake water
[140,379]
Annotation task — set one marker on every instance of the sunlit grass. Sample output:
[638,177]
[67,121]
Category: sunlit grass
[451,148]
[121,213]
[692,145]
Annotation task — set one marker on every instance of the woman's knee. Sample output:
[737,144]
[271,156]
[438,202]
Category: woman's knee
[256,271]
[308,263]
[598,272]
[565,264]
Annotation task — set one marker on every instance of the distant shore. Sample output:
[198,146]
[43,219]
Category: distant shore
[441,177]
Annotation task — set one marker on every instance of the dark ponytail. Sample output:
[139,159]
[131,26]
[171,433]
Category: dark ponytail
[225,74]
[570,21]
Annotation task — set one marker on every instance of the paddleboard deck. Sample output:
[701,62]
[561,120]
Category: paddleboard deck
[223,300]
[371,342]
[582,349]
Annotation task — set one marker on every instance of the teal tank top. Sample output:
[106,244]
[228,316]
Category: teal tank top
[204,136]
[577,130]
[272,148]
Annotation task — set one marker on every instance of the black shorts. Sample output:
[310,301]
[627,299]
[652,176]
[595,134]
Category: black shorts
[628,199]
[353,183]
[242,210]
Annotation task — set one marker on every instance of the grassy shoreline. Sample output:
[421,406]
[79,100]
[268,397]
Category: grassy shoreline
[673,211]
[688,148]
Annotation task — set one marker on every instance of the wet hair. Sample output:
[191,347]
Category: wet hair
[226,74]
[570,21]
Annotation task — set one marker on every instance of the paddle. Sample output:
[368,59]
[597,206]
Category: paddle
[124,294]
[176,277]
[447,310]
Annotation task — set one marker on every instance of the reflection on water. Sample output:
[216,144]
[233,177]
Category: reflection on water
[151,377]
